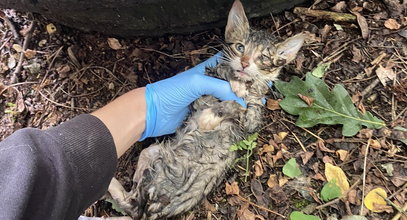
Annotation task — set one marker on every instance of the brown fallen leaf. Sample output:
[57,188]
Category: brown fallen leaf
[321,145]
[273,104]
[208,206]
[306,99]
[374,144]
[342,154]
[114,43]
[357,54]
[63,70]
[232,189]
[339,7]
[365,133]
[392,24]
[29,54]
[306,156]
[258,168]
[327,159]
[283,180]
[362,24]
[319,176]
[353,197]
[385,74]
[272,181]
[277,156]
[267,148]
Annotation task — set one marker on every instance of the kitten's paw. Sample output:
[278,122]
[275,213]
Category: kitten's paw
[239,88]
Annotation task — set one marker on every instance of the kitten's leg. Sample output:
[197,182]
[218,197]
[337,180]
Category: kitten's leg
[147,156]
[239,88]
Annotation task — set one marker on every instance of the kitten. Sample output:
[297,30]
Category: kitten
[174,176]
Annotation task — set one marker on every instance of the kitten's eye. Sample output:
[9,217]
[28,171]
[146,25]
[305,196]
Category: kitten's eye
[240,47]
[280,62]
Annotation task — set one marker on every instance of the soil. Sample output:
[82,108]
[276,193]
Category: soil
[65,72]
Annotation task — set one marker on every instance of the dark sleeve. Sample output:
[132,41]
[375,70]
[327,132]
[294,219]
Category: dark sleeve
[55,173]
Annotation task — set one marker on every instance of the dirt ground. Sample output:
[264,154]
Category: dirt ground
[51,73]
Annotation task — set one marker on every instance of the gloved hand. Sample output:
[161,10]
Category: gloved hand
[168,100]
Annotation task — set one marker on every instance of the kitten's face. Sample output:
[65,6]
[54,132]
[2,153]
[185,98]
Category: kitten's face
[256,55]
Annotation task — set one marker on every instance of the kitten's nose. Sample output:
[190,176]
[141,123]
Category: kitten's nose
[244,61]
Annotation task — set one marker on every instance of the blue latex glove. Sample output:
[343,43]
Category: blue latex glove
[168,100]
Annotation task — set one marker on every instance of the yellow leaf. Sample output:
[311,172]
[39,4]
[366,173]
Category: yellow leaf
[336,173]
[51,28]
[282,135]
[374,200]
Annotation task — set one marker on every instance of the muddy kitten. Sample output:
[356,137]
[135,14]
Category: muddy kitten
[175,175]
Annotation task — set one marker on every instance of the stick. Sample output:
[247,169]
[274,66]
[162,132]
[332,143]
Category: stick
[260,207]
[14,76]
[327,15]
[364,177]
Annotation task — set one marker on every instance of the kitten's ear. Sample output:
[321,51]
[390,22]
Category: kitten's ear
[237,27]
[290,47]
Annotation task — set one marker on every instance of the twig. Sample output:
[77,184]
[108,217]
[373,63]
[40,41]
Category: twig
[62,105]
[275,24]
[370,87]
[337,199]
[15,84]
[396,217]
[260,207]
[327,15]
[5,42]
[308,131]
[400,210]
[295,137]
[12,28]
[364,176]
[14,76]
[289,23]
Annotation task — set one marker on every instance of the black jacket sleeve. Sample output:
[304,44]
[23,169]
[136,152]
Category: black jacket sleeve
[55,173]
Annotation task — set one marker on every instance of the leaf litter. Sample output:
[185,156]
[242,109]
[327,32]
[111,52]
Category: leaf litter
[97,72]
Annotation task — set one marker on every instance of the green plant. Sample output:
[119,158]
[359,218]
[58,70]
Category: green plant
[248,145]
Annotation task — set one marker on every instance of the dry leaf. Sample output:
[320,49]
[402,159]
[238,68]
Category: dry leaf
[392,24]
[272,181]
[17,48]
[339,7]
[306,99]
[273,104]
[277,156]
[319,176]
[208,206]
[306,156]
[114,43]
[267,148]
[282,135]
[342,154]
[385,74]
[353,197]
[30,53]
[357,54]
[365,133]
[51,28]
[327,159]
[232,189]
[322,147]
[374,200]
[283,180]
[336,173]
[362,24]
[63,70]
[258,168]
[374,144]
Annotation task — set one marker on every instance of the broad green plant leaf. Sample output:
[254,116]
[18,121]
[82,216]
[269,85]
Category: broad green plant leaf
[301,216]
[291,168]
[330,191]
[334,173]
[328,107]
[320,70]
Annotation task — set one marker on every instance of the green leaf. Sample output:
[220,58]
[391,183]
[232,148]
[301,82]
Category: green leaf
[291,168]
[242,145]
[328,107]
[354,217]
[320,70]
[330,191]
[301,216]
[234,147]
[115,206]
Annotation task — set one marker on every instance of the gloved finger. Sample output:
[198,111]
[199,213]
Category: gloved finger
[220,89]
[200,68]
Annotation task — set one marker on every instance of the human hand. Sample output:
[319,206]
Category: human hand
[168,100]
